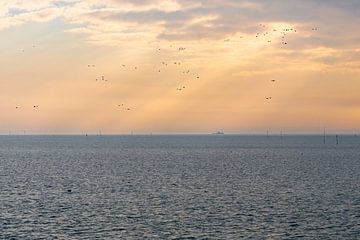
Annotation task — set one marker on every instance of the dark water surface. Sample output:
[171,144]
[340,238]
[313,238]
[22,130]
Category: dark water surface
[179,187]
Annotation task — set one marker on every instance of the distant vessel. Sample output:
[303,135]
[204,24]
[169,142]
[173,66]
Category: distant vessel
[218,133]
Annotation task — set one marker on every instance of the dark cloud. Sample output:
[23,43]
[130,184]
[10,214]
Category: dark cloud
[336,19]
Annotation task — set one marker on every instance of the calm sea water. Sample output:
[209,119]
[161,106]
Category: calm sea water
[179,187]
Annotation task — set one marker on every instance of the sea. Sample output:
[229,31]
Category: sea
[179,187]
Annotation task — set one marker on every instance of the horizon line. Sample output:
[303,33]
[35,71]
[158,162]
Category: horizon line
[185,134]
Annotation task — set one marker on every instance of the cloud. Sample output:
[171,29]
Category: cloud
[175,18]
[114,22]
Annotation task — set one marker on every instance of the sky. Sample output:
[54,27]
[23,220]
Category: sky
[116,66]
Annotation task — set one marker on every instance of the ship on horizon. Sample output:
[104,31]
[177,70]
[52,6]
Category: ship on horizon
[218,133]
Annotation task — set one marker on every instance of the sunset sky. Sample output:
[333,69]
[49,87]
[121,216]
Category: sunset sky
[226,54]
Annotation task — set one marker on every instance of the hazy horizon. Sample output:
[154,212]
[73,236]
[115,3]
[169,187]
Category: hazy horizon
[264,134]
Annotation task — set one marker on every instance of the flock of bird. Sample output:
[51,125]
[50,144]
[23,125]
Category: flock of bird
[163,66]
[283,32]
